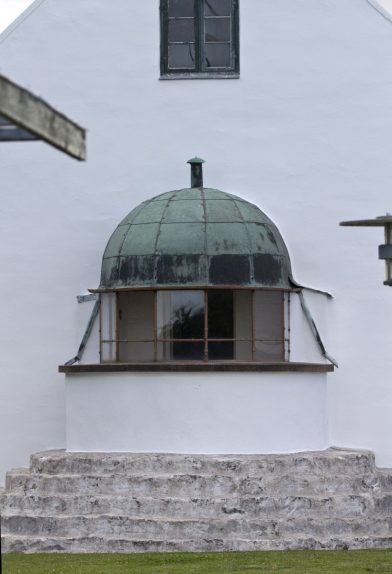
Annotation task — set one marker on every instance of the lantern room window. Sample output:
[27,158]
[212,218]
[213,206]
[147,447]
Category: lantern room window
[195,325]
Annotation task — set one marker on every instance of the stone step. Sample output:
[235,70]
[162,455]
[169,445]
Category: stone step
[194,486]
[333,461]
[168,529]
[384,477]
[96,544]
[339,505]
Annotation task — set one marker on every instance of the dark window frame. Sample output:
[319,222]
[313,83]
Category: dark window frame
[199,71]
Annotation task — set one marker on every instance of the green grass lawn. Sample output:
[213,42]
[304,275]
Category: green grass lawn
[292,562]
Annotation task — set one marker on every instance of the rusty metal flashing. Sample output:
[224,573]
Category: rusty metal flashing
[27,117]
[314,329]
[87,298]
[298,287]
[211,366]
[86,335]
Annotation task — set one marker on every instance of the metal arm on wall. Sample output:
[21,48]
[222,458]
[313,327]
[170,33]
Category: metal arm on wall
[384,250]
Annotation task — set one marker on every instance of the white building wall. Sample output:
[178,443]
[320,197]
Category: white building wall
[214,414]
[306,134]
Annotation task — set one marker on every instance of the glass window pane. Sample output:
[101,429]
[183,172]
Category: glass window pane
[217,30]
[181,30]
[217,7]
[220,315]
[180,314]
[136,352]
[188,351]
[108,326]
[217,55]
[243,314]
[184,351]
[218,351]
[136,322]
[181,56]
[269,352]
[243,351]
[181,7]
[136,315]
[268,315]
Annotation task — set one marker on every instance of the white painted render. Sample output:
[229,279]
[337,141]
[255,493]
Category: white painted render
[305,133]
[214,414]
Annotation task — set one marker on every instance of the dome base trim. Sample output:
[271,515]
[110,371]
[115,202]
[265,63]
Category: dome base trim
[198,367]
[192,287]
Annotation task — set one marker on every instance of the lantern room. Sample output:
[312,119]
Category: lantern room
[195,275]
[196,282]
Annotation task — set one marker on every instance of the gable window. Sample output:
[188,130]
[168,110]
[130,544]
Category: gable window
[199,38]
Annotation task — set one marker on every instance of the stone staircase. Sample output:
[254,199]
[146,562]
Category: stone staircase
[122,502]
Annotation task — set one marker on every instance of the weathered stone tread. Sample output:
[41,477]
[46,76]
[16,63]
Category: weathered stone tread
[120,545]
[121,502]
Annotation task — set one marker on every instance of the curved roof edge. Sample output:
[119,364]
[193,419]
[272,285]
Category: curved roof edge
[384,7]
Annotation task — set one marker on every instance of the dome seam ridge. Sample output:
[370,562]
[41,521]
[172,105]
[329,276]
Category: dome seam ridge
[251,262]
[157,238]
[206,256]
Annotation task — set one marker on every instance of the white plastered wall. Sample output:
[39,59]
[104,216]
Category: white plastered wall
[305,134]
[197,413]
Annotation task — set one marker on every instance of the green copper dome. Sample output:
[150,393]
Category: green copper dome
[196,237]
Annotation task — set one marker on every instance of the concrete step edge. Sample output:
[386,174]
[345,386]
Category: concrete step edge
[227,518]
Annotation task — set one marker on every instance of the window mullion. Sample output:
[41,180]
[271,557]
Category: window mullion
[253,326]
[206,325]
[164,14]
[155,326]
[235,44]
[117,327]
[199,32]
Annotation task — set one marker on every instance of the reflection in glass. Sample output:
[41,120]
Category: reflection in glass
[217,7]
[181,316]
[181,8]
[217,30]
[181,30]
[181,56]
[217,55]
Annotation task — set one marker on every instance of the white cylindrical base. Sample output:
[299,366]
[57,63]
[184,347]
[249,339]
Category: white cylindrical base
[211,413]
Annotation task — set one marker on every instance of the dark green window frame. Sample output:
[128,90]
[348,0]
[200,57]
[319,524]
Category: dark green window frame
[194,39]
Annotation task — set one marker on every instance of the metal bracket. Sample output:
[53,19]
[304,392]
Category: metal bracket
[314,329]
[86,298]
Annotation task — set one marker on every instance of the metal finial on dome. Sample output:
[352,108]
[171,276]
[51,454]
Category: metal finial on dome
[196,171]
